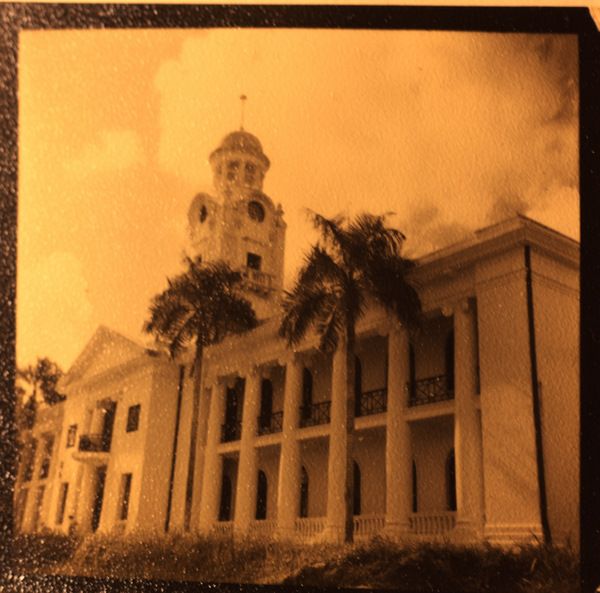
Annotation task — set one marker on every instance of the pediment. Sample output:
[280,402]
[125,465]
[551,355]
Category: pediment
[106,349]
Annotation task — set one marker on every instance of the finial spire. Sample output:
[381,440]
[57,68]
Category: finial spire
[243,100]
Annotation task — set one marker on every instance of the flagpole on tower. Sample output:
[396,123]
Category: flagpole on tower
[243,101]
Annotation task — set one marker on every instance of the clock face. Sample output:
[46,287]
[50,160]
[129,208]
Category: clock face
[256,211]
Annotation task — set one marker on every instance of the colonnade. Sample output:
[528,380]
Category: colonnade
[398,451]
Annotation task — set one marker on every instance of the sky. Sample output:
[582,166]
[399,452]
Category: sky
[448,131]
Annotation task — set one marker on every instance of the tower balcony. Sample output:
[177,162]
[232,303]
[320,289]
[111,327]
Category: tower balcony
[231,431]
[371,402]
[257,280]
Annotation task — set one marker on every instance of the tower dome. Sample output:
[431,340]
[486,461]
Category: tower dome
[239,162]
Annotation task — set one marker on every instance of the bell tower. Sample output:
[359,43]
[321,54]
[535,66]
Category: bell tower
[240,224]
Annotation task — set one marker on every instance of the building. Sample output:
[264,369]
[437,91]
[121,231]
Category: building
[445,442]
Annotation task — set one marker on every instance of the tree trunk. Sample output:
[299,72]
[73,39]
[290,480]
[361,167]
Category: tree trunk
[197,390]
[350,411]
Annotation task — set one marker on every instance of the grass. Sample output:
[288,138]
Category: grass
[376,564]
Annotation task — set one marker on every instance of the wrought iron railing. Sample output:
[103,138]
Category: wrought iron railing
[94,442]
[231,431]
[429,391]
[372,402]
[315,414]
[270,424]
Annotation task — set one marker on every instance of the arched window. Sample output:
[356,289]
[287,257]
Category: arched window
[303,493]
[266,403]
[357,386]
[261,496]
[449,356]
[307,393]
[451,481]
[356,490]
[225,506]
[415,495]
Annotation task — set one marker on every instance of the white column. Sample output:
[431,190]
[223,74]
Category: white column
[338,449]
[245,500]
[398,450]
[288,495]
[87,495]
[467,433]
[213,464]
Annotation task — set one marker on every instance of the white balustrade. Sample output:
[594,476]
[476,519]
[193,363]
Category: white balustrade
[368,525]
[432,523]
[223,528]
[263,528]
[309,527]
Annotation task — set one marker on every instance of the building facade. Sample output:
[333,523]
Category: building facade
[467,429]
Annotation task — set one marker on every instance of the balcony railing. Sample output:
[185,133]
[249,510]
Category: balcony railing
[94,443]
[257,280]
[315,414]
[432,523]
[270,424]
[372,402]
[368,525]
[231,431]
[429,391]
[308,527]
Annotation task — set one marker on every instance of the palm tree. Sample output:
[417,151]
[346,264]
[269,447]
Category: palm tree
[354,262]
[200,306]
[43,378]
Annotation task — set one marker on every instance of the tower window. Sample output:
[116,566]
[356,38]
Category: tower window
[203,213]
[71,434]
[253,261]
[250,172]
[232,169]
[256,211]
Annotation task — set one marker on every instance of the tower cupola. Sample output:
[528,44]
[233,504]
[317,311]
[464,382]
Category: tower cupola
[239,163]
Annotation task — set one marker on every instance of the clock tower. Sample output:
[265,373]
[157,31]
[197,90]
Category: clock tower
[240,224]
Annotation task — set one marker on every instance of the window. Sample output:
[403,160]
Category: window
[303,493]
[451,481]
[133,418]
[415,500]
[357,386]
[266,403]
[125,494]
[307,394]
[250,172]
[225,506]
[356,490]
[256,211]
[449,355]
[261,496]
[232,169]
[62,503]
[203,213]
[253,261]
[47,456]
[71,435]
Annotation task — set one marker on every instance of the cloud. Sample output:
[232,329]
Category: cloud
[54,313]
[476,125]
[115,150]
